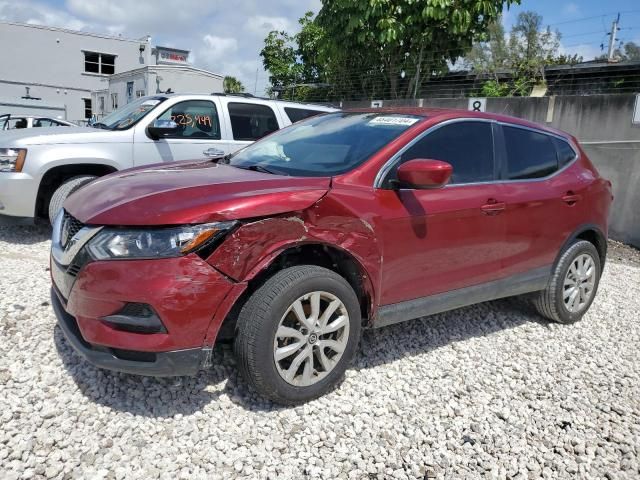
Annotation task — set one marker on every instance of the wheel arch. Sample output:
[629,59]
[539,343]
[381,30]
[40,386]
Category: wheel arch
[54,176]
[308,253]
[591,233]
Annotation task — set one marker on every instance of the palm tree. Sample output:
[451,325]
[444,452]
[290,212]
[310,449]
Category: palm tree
[232,85]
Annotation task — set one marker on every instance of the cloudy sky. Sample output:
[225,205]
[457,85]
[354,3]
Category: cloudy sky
[226,36]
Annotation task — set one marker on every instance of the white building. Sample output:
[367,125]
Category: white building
[46,70]
[170,71]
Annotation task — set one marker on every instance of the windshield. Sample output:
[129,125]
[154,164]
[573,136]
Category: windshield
[130,114]
[325,145]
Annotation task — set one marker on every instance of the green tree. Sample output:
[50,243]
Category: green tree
[404,41]
[631,51]
[280,59]
[377,48]
[232,85]
[529,48]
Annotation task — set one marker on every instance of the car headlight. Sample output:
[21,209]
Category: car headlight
[12,159]
[154,242]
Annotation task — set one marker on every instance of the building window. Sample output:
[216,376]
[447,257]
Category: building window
[87,107]
[99,63]
[114,101]
[139,93]
[101,104]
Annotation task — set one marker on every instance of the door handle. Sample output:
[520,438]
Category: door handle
[213,153]
[571,198]
[493,207]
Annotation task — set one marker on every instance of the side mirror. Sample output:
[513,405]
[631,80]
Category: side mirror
[422,174]
[162,128]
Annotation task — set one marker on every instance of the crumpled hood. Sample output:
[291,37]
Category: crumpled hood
[191,192]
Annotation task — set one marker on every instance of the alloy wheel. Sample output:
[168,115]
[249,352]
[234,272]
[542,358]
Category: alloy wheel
[311,338]
[579,283]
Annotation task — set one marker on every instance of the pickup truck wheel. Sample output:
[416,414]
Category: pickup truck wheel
[572,286]
[65,189]
[297,334]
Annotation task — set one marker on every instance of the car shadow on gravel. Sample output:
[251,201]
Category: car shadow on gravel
[25,234]
[161,397]
[384,345]
[167,397]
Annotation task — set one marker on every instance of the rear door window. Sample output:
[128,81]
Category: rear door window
[529,154]
[45,122]
[251,121]
[297,114]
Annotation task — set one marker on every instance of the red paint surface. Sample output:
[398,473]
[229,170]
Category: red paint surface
[424,173]
[195,192]
[185,293]
[407,243]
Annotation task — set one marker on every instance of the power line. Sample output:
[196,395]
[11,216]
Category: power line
[583,19]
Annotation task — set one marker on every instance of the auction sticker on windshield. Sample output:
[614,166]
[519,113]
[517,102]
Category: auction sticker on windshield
[393,120]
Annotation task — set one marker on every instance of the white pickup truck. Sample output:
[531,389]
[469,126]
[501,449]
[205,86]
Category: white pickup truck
[40,168]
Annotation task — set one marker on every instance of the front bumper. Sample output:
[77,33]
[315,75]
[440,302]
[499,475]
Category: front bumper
[184,292]
[163,364]
[18,192]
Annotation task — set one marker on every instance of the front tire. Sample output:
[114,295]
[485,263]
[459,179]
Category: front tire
[297,334]
[572,286]
[65,189]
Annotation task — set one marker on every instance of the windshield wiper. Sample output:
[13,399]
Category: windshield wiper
[259,168]
[101,125]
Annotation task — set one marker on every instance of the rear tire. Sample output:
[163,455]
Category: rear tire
[573,284]
[65,189]
[281,346]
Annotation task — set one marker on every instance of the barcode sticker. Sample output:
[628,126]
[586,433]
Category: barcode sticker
[389,120]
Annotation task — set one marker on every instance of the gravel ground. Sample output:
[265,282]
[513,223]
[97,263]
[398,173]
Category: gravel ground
[490,391]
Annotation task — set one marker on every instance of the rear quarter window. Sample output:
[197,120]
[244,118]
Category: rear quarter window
[297,114]
[566,154]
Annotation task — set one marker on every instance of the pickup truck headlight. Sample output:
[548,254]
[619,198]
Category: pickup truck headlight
[117,243]
[12,159]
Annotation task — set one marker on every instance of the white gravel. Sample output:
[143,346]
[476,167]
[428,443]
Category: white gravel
[490,391]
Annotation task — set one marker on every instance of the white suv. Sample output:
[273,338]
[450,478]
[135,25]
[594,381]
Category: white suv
[40,168]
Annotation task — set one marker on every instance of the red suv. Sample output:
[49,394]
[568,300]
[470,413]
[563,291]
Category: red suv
[340,222]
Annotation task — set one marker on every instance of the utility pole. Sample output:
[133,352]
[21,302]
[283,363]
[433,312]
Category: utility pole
[612,40]
[255,87]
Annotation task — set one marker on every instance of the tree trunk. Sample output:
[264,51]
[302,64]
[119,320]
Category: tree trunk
[415,81]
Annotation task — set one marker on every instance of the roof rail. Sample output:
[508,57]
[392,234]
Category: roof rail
[240,94]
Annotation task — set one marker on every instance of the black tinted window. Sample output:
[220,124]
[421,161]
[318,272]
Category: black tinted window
[195,119]
[297,114]
[467,146]
[565,152]
[529,154]
[250,121]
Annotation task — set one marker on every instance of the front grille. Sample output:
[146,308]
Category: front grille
[74,269]
[70,226]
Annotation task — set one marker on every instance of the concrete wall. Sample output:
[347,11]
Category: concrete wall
[51,62]
[602,123]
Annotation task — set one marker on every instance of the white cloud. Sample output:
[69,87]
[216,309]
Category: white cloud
[261,25]
[35,13]
[224,37]
[586,51]
[571,9]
